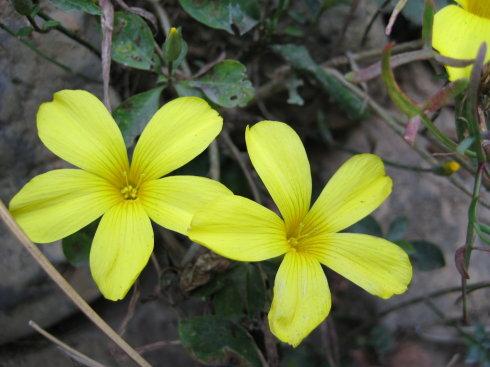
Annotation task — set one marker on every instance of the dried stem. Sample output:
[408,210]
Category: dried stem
[243,165]
[67,288]
[106,23]
[65,348]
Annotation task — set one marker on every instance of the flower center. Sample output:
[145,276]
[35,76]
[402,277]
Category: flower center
[130,191]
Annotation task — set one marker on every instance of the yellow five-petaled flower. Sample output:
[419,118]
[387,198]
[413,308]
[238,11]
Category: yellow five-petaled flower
[240,229]
[78,128]
[460,30]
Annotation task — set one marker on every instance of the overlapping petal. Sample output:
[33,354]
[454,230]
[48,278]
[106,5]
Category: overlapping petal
[78,128]
[179,131]
[374,264]
[477,7]
[60,202]
[355,190]
[301,298]
[458,33]
[279,158]
[240,229]
[121,248]
[172,201]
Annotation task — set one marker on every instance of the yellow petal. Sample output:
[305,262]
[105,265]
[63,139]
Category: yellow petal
[355,190]
[121,248]
[301,298]
[280,160]
[60,202]
[477,7]
[172,201]
[177,133]
[78,128]
[240,229]
[458,33]
[374,264]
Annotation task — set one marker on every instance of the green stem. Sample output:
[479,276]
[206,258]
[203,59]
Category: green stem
[46,57]
[470,234]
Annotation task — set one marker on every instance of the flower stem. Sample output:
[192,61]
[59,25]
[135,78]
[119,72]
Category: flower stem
[470,235]
[67,288]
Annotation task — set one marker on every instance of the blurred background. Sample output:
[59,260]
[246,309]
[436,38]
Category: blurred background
[253,60]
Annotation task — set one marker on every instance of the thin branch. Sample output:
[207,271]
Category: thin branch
[435,294]
[66,287]
[65,348]
[243,165]
[106,23]
[131,309]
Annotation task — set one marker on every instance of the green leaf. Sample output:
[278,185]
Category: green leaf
[397,229]
[76,247]
[134,113]
[226,84]
[240,292]
[243,14]
[24,7]
[132,42]
[300,59]
[217,341]
[465,144]
[424,255]
[87,6]
[367,225]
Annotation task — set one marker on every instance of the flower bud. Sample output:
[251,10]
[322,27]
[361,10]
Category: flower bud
[448,168]
[173,45]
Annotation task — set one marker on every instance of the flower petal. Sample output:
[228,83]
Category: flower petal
[477,7]
[458,33]
[240,229]
[121,248]
[355,190]
[172,201]
[301,298]
[280,159]
[374,264]
[78,128]
[177,133]
[60,202]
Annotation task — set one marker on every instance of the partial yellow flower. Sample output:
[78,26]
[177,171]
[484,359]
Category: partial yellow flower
[240,229]
[460,30]
[78,128]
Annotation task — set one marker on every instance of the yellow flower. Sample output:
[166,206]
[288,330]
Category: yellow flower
[240,229]
[78,128]
[460,30]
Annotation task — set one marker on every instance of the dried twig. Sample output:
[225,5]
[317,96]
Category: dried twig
[139,11]
[106,22]
[66,287]
[131,309]
[243,165]
[65,348]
